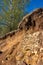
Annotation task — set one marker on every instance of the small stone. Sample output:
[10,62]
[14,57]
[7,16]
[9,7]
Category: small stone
[2,61]
[41,49]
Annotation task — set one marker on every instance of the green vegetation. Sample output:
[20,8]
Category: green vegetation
[12,13]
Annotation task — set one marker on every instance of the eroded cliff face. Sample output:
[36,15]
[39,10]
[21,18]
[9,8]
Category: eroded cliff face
[24,46]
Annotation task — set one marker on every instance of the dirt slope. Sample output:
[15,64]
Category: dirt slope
[25,45]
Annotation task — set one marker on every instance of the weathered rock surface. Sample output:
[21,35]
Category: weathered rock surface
[24,46]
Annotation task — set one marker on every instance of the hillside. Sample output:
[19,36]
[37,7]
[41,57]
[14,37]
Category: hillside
[24,46]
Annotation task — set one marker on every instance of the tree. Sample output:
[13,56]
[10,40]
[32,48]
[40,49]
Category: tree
[13,11]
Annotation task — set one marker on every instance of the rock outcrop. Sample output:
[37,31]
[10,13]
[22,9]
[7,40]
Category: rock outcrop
[25,45]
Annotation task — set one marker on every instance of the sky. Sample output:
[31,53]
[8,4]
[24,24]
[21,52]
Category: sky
[34,4]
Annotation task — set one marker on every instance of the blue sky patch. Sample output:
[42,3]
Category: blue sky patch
[34,4]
